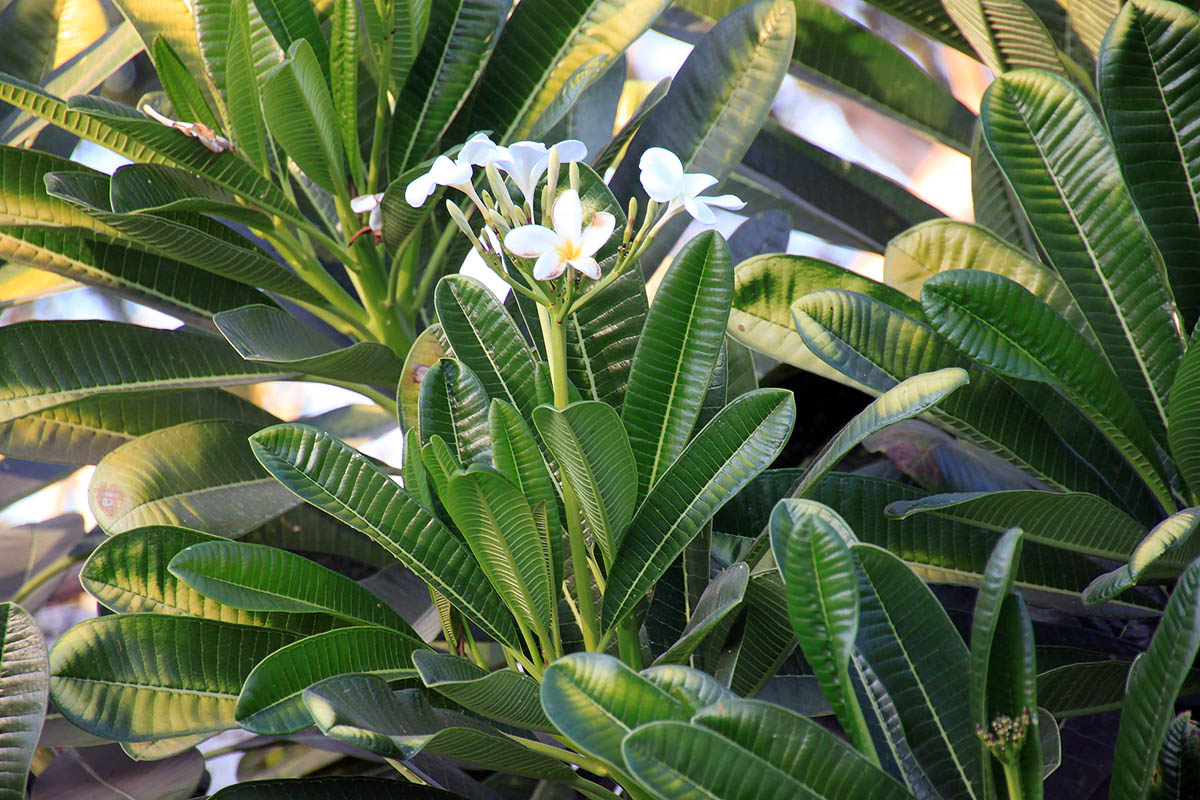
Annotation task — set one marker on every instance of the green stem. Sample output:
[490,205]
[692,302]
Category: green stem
[592,765]
[1012,779]
[555,336]
[382,110]
[627,642]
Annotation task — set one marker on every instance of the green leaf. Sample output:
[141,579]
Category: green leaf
[745,749]
[270,701]
[175,23]
[410,25]
[826,195]
[459,38]
[905,400]
[128,574]
[943,550]
[363,711]
[1154,683]
[593,452]
[256,577]
[191,238]
[139,139]
[291,21]
[595,700]
[83,432]
[498,525]
[603,336]
[276,338]
[1074,520]
[811,544]
[161,188]
[942,245]
[996,207]
[1007,35]
[764,288]
[676,354]
[986,630]
[542,44]
[330,788]
[1183,422]
[429,346]
[484,336]
[721,596]
[241,80]
[147,278]
[1002,325]
[918,669]
[454,405]
[516,456]
[740,442]
[49,364]
[1147,112]
[504,695]
[196,475]
[720,97]
[880,345]
[335,478]
[25,201]
[301,116]
[1163,543]
[1044,133]
[141,677]
[343,78]
[25,690]
[1012,688]
[185,94]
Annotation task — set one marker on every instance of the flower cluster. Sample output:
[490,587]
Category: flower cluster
[1007,735]
[564,238]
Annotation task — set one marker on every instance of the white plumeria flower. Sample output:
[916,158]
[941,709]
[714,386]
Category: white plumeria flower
[373,203]
[569,243]
[665,181]
[444,172]
[457,173]
[210,138]
[526,162]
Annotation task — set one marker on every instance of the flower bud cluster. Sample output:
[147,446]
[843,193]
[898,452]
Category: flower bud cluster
[1007,735]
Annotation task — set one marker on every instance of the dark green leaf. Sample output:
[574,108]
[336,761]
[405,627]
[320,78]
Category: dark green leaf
[24,691]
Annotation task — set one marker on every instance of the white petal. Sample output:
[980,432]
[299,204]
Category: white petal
[375,221]
[568,215]
[587,266]
[571,150]
[597,232]
[525,155]
[479,150]
[728,201]
[365,202]
[699,211]
[530,241]
[417,192]
[696,182]
[449,173]
[548,267]
[662,174]
[157,117]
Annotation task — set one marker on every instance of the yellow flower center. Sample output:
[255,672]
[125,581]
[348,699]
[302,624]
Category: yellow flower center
[568,250]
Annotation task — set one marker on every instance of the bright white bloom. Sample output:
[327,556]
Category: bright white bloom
[665,181]
[480,150]
[373,203]
[569,243]
[210,138]
[526,162]
[444,172]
